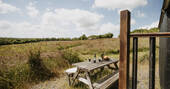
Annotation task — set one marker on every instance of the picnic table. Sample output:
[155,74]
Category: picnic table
[87,67]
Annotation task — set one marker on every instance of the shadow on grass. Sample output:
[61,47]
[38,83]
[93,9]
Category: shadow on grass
[20,76]
[39,72]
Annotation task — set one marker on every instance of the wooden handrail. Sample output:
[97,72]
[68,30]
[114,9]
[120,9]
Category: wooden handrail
[124,56]
[158,34]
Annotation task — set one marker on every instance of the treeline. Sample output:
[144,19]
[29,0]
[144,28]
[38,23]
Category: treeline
[6,41]
[92,37]
[146,30]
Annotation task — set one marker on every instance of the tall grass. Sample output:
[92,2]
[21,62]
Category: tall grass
[33,71]
[20,68]
[38,69]
[70,56]
[15,78]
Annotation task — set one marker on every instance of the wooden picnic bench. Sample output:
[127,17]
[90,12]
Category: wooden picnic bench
[87,67]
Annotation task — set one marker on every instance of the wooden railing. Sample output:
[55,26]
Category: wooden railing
[159,34]
[125,53]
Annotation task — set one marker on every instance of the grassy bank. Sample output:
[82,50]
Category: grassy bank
[21,64]
[37,67]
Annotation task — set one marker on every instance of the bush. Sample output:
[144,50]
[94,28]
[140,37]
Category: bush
[15,78]
[56,63]
[144,58]
[70,56]
[145,30]
[107,35]
[113,51]
[38,68]
[83,37]
[5,83]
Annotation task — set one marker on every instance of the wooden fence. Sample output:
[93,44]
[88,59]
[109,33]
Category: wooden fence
[125,53]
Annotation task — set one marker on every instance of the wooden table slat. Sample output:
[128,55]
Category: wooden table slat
[91,66]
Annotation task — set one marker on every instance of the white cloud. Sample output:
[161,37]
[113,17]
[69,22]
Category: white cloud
[4,24]
[74,18]
[109,27]
[119,4]
[60,23]
[152,25]
[119,10]
[32,10]
[140,14]
[7,8]
[24,29]
[133,21]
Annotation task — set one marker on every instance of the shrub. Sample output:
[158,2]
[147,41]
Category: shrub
[5,83]
[38,68]
[70,56]
[144,58]
[15,78]
[113,51]
[55,63]
[93,37]
[83,37]
[59,47]
[19,77]
[146,30]
[107,35]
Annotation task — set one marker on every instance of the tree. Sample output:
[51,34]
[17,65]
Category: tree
[108,35]
[83,37]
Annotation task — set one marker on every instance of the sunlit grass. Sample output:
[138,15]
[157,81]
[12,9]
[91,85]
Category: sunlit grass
[14,57]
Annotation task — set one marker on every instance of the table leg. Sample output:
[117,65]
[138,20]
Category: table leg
[69,79]
[75,76]
[102,68]
[116,66]
[88,78]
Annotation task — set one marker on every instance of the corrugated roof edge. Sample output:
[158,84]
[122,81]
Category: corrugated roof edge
[163,10]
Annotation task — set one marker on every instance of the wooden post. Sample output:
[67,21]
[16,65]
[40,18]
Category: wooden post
[152,63]
[124,49]
[135,63]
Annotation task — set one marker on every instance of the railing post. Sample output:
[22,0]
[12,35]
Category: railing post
[124,49]
[135,62]
[152,63]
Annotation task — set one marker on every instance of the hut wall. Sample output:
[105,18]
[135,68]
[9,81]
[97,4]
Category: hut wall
[164,53]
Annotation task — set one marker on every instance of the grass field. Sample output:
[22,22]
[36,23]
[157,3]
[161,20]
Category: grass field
[18,61]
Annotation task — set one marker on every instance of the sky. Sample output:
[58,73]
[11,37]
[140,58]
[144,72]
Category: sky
[73,18]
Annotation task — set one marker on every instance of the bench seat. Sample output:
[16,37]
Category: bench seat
[71,70]
[84,81]
[107,81]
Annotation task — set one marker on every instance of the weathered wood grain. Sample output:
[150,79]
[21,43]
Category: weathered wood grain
[158,34]
[124,49]
[89,66]
[107,81]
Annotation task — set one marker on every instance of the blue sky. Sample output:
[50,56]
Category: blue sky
[72,18]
